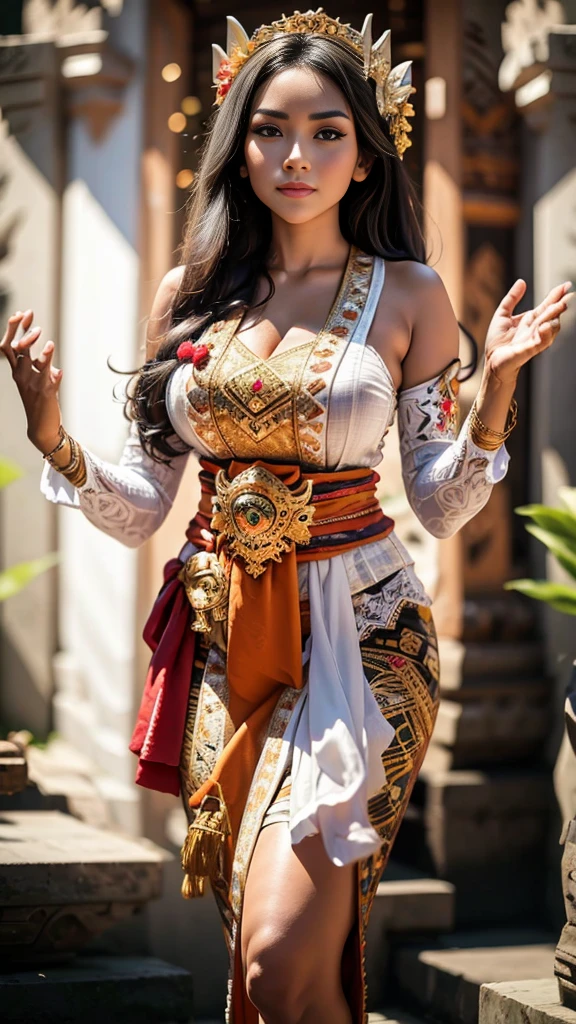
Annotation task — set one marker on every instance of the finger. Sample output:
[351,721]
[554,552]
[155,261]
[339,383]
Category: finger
[9,335]
[554,295]
[23,345]
[55,376]
[27,318]
[547,332]
[43,361]
[553,311]
[511,300]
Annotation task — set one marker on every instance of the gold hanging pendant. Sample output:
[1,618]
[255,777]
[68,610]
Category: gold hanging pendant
[204,845]
[261,516]
[206,586]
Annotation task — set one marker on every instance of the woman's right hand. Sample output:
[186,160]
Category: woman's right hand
[37,380]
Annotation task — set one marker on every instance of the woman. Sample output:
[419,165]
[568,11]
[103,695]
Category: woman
[296,712]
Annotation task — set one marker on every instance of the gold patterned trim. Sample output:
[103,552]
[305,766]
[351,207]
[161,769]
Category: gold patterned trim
[245,407]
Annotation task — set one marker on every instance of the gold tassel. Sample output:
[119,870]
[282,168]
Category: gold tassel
[204,843]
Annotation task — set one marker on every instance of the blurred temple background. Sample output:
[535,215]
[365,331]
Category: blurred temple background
[103,106]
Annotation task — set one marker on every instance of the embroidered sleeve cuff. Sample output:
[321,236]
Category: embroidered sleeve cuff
[56,488]
[496,462]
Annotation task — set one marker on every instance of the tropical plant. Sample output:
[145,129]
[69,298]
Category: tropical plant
[18,576]
[556,528]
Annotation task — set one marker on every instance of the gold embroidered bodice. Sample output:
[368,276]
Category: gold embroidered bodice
[245,407]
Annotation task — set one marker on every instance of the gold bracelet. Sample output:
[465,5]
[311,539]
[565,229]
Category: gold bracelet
[62,438]
[487,438]
[75,469]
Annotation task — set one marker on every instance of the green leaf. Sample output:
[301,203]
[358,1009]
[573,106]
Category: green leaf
[15,578]
[568,496]
[563,550]
[557,595]
[9,472]
[556,520]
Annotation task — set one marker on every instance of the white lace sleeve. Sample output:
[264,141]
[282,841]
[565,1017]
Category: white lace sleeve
[448,479]
[129,501]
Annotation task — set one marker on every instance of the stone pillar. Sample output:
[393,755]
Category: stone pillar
[545,93]
[73,112]
[30,198]
[445,234]
[540,70]
[96,666]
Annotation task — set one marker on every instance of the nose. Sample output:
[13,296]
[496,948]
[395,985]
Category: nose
[296,160]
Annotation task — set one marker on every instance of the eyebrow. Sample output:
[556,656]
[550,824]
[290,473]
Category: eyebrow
[282,116]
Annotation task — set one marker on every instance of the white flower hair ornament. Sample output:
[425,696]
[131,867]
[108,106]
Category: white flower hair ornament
[393,85]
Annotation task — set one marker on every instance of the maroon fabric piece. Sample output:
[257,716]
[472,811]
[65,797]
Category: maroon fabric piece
[159,730]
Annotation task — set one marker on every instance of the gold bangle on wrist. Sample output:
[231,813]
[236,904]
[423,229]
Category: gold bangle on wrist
[75,469]
[487,438]
[62,438]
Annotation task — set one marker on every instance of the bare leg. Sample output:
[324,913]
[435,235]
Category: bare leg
[298,911]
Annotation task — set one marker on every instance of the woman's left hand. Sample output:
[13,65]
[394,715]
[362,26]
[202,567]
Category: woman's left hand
[514,339]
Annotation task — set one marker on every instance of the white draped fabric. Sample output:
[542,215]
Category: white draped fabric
[339,733]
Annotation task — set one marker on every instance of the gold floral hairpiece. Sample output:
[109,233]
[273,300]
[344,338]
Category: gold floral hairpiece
[393,85]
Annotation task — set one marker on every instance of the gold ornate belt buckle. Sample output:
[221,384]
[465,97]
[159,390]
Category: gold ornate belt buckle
[261,516]
[206,586]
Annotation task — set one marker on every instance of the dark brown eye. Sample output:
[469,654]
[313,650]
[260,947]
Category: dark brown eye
[329,134]
[267,131]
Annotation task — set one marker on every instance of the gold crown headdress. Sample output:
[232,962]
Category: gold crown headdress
[393,85]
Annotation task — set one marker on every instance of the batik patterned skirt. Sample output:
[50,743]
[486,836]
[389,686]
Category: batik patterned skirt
[400,658]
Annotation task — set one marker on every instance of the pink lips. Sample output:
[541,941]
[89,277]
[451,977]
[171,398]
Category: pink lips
[296,190]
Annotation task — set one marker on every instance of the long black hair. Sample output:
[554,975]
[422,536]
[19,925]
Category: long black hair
[229,230]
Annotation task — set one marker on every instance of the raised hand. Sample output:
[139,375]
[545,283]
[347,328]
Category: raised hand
[37,380]
[514,339]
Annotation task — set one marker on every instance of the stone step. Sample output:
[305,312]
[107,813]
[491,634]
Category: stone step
[63,882]
[523,1002]
[13,768]
[414,906]
[486,832]
[496,726]
[468,664]
[444,978]
[504,616]
[118,990]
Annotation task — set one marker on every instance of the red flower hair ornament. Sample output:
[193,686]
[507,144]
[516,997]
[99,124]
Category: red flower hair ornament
[196,351]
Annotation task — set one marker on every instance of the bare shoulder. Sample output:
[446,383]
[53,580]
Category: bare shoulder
[160,314]
[417,280]
[431,326]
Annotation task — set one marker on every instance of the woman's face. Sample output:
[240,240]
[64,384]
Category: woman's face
[301,151]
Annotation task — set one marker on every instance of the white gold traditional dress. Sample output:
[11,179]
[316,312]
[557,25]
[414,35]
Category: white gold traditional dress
[351,740]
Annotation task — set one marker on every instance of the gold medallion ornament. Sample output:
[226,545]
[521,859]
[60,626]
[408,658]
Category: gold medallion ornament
[261,517]
[393,85]
[206,588]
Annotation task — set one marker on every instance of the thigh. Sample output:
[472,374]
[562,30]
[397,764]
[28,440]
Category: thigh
[297,903]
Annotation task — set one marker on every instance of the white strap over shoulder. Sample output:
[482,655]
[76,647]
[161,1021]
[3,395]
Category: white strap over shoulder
[371,305]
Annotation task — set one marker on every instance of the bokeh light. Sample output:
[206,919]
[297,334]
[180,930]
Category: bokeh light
[177,122]
[171,72]
[184,178]
[191,105]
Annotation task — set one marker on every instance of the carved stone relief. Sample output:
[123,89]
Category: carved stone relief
[65,17]
[525,37]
